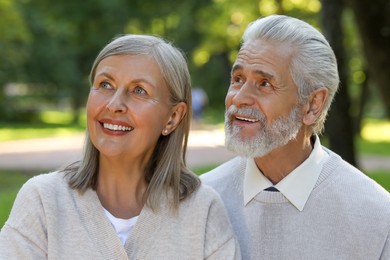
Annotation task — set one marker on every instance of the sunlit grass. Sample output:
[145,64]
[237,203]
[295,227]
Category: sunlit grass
[382,177]
[19,132]
[375,137]
[53,123]
[56,117]
[61,118]
[375,134]
[366,147]
[375,130]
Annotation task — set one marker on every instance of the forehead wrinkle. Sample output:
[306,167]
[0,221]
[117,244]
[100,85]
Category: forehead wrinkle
[255,71]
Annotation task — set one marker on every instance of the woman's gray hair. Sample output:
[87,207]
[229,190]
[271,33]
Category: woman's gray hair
[167,168]
[313,63]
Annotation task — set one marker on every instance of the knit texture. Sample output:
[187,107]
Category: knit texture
[50,220]
[347,215]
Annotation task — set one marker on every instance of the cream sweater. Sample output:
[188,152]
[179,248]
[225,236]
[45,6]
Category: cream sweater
[347,216]
[51,221]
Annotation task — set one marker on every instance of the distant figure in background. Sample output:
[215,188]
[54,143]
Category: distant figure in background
[199,102]
[132,195]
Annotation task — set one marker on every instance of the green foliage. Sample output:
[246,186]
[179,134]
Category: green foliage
[53,46]
[60,41]
[13,38]
[214,116]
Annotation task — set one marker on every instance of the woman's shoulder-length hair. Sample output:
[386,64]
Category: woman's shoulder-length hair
[166,172]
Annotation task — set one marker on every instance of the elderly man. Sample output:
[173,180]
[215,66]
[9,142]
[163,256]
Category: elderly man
[287,196]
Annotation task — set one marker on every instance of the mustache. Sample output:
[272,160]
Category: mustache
[244,111]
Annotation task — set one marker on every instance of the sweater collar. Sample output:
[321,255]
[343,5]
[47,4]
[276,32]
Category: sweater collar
[98,226]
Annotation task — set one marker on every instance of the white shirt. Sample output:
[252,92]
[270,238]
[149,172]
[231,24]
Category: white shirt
[296,186]
[122,227]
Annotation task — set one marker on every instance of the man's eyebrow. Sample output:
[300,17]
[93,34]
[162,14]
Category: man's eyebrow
[258,72]
[236,67]
[264,74]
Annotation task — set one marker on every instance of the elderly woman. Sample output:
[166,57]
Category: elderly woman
[131,196]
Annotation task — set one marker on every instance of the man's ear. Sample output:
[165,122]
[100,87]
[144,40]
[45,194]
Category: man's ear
[313,108]
[177,114]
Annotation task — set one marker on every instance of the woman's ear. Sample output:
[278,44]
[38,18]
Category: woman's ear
[177,114]
[313,108]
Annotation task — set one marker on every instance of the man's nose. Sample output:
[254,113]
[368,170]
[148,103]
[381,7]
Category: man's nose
[244,96]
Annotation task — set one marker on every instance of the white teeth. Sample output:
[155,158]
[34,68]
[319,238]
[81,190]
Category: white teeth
[246,119]
[116,127]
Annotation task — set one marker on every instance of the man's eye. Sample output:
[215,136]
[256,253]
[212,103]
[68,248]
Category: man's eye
[265,84]
[237,80]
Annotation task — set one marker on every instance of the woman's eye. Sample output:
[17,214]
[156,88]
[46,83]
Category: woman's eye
[105,85]
[139,91]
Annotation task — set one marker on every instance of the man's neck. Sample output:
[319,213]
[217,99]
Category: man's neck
[283,160]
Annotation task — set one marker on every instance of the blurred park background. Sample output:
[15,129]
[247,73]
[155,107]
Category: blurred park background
[47,49]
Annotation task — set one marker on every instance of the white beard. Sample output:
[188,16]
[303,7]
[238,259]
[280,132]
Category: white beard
[279,133]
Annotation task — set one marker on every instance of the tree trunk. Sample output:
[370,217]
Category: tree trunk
[364,97]
[373,21]
[2,101]
[339,127]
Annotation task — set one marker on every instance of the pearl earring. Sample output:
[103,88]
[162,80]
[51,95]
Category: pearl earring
[165,131]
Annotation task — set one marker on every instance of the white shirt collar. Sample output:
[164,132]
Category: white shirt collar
[296,186]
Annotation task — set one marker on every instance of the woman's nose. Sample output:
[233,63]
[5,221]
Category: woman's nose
[116,103]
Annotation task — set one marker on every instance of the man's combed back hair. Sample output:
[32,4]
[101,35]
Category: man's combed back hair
[313,63]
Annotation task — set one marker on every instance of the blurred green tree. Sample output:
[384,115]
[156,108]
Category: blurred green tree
[14,38]
[373,21]
[67,35]
[339,126]
[51,45]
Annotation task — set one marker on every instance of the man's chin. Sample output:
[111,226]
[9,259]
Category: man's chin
[244,149]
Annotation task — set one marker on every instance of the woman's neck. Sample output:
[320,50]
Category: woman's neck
[121,190]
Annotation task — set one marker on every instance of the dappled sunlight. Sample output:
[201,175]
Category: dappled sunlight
[201,57]
[56,117]
[376,131]
[207,138]
[267,7]
[311,5]
[7,134]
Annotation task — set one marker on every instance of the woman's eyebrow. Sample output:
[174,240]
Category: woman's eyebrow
[136,80]
[104,74]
